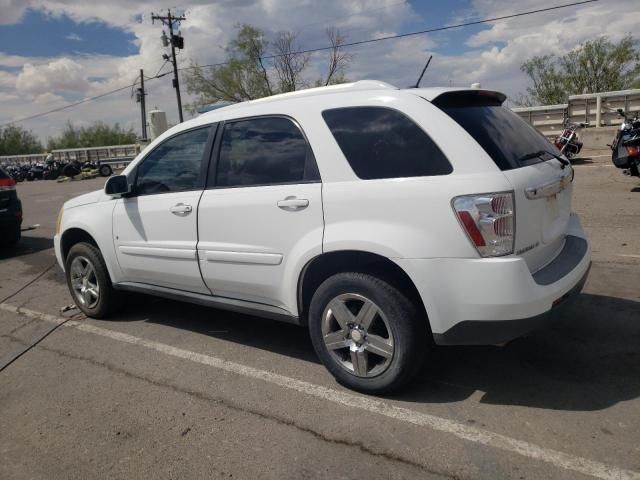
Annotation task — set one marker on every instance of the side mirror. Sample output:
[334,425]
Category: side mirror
[117,185]
[620,111]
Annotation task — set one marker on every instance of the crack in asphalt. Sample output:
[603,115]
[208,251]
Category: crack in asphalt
[225,403]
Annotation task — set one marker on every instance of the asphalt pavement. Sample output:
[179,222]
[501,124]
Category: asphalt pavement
[172,390]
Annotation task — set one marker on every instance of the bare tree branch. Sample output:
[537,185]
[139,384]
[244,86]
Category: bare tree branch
[338,59]
[288,64]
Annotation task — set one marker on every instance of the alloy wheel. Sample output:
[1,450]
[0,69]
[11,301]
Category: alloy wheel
[357,335]
[84,282]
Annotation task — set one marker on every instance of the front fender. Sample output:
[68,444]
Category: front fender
[96,220]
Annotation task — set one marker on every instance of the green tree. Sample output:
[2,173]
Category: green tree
[247,74]
[596,66]
[15,140]
[97,135]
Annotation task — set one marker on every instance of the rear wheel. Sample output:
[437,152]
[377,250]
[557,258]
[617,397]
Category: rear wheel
[368,334]
[105,170]
[89,282]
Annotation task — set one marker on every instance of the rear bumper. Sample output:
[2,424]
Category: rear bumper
[484,301]
[495,332]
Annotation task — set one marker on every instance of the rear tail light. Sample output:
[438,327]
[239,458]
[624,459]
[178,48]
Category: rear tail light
[7,184]
[488,219]
[633,151]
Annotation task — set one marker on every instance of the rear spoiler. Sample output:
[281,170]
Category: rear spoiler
[469,98]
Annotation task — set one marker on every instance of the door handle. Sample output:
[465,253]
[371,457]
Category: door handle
[181,209]
[293,203]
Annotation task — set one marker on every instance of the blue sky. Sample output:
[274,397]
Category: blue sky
[42,35]
[56,52]
[39,34]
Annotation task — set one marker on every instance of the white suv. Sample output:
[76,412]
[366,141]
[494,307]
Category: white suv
[381,219]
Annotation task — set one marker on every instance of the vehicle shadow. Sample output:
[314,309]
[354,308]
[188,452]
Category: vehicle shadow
[581,161]
[589,359]
[264,334]
[26,246]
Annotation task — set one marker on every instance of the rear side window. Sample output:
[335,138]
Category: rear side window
[264,151]
[3,174]
[380,142]
[508,139]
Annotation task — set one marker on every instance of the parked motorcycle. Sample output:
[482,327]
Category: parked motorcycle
[568,141]
[626,145]
[36,172]
[15,172]
[52,169]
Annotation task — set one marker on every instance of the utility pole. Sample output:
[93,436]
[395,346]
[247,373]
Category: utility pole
[176,41]
[143,108]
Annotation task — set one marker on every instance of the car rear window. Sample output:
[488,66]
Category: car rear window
[380,142]
[508,139]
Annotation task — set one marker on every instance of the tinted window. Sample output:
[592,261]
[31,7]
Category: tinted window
[506,137]
[175,165]
[3,174]
[264,151]
[383,143]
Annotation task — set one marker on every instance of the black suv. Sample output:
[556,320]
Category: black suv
[10,210]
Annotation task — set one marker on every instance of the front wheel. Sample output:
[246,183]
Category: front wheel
[89,282]
[368,334]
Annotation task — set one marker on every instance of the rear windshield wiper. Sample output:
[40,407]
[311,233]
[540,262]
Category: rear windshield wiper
[540,153]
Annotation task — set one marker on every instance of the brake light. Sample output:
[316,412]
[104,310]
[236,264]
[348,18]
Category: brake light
[633,151]
[7,184]
[488,219]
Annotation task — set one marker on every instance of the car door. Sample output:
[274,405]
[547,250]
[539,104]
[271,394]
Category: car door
[260,218]
[155,227]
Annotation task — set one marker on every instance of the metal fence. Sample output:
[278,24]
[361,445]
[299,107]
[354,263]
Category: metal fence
[595,109]
[113,154]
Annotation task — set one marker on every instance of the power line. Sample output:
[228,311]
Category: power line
[70,105]
[409,34]
[437,29]
[312,50]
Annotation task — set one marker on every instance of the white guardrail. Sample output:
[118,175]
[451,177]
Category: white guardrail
[112,154]
[595,109]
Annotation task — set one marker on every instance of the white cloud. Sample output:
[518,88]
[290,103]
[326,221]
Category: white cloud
[491,56]
[73,36]
[61,75]
[12,11]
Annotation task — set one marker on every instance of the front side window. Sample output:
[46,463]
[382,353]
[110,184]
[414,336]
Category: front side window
[175,165]
[380,142]
[264,151]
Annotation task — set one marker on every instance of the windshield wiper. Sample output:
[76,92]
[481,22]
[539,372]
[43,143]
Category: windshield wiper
[539,153]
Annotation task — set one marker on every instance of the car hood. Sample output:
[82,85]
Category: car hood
[91,197]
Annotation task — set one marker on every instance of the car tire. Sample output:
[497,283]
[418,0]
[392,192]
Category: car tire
[384,348]
[105,170]
[89,282]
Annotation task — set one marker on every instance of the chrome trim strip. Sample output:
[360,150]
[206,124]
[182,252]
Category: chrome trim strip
[230,304]
[548,189]
[243,257]
[174,253]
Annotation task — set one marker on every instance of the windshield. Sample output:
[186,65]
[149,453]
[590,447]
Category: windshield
[506,137]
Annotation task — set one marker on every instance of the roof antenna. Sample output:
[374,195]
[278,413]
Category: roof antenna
[417,85]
